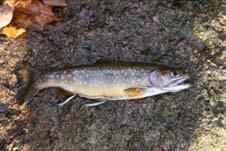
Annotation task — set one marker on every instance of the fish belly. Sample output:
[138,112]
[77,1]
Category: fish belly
[101,91]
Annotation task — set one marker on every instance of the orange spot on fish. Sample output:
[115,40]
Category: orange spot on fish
[134,92]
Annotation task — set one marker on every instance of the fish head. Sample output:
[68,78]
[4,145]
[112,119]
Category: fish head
[169,79]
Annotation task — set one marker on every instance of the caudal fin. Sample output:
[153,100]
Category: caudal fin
[25,79]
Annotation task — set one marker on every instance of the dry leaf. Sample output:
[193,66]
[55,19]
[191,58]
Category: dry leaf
[45,15]
[22,4]
[35,15]
[11,2]
[55,2]
[26,147]
[25,21]
[12,32]
[6,14]
[26,13]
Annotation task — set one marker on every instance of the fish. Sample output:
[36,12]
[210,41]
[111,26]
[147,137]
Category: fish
[106,80]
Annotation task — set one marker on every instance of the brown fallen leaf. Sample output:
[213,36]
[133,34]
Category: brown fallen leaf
[25,14]
[26,147]
[22,4]
[37,15]
[6,14]
[12,32]
[55,2]
[24,20]
[10,2]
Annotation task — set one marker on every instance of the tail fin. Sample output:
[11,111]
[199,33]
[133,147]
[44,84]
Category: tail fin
[26,79]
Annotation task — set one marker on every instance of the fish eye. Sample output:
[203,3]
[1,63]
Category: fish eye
[173,73]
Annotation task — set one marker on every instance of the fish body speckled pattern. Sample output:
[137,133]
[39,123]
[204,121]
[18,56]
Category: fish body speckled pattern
[99,79]
[110,80]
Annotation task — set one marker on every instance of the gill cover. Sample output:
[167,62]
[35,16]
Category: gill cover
[166,78]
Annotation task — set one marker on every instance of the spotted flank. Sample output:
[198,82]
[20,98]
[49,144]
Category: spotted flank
[114,81]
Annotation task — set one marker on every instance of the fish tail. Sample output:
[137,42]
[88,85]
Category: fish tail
[26,80]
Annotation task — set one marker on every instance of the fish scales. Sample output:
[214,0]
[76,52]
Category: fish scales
[108,80]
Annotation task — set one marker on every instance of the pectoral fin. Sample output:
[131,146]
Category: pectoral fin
[135,91]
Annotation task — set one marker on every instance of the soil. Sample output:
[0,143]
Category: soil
[178,33]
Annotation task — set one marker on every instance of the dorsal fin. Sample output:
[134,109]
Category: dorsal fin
[107,61]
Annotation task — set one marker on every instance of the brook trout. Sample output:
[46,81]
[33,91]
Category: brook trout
[108,80]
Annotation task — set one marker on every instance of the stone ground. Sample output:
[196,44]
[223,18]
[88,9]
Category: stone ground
[179,33]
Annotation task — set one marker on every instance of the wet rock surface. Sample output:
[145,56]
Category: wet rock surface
[138,31]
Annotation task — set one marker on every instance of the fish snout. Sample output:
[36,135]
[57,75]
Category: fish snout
[167,79]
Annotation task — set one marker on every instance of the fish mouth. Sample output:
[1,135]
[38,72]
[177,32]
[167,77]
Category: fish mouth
[176,81]
[177,84]
[169,82]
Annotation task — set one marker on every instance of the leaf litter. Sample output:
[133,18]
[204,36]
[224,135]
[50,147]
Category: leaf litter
[18,15]
[12,32]
[6,14]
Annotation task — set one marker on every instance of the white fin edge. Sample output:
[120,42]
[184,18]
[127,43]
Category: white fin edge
[95,104]
[66,101]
